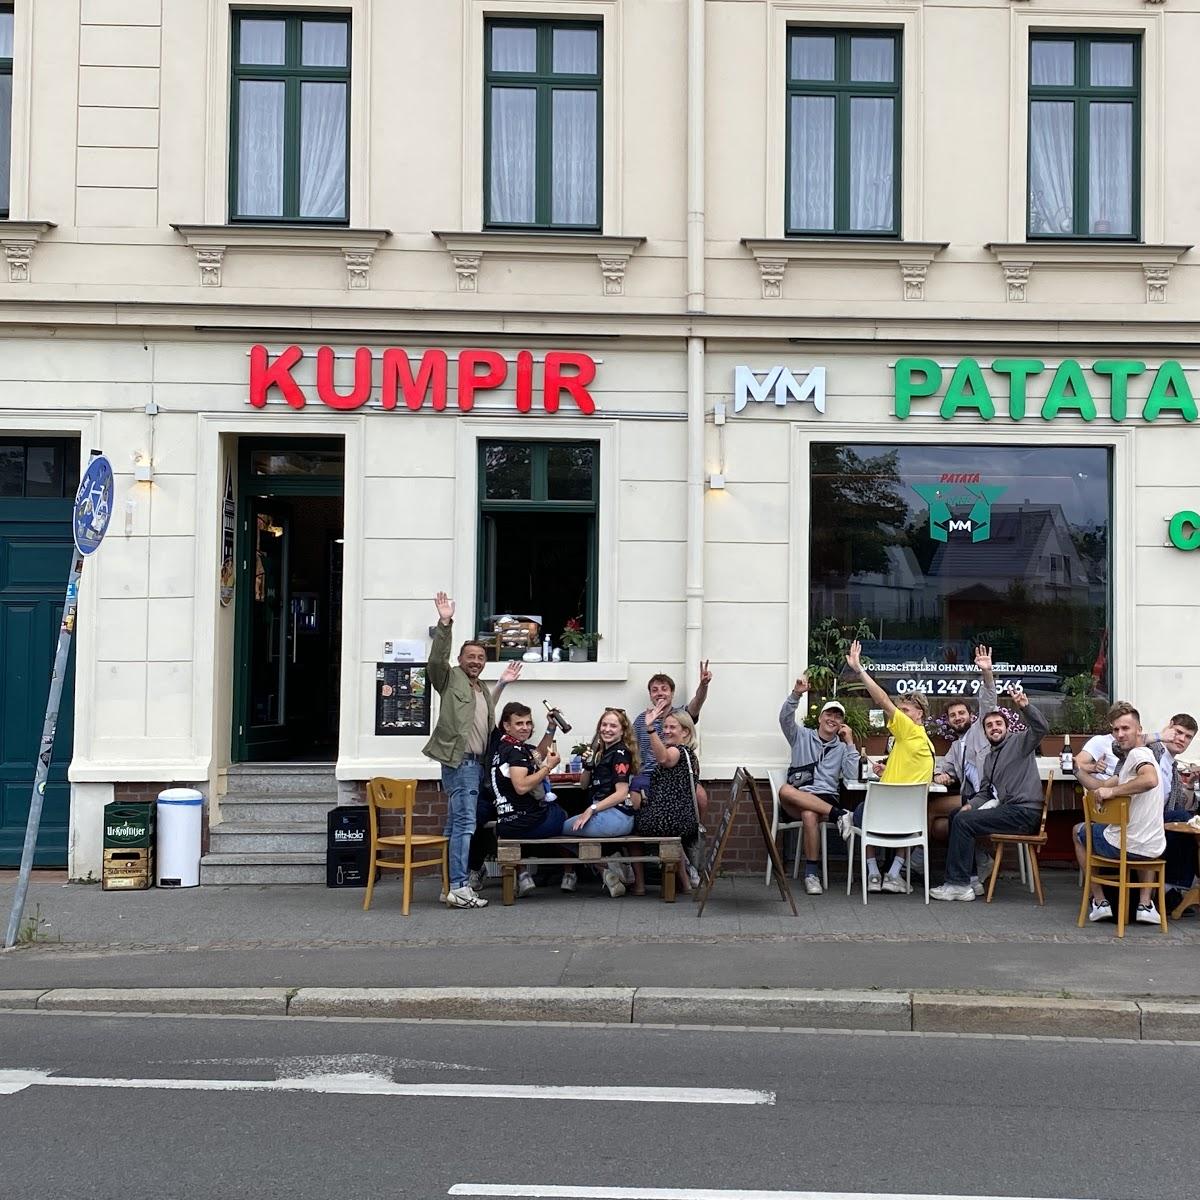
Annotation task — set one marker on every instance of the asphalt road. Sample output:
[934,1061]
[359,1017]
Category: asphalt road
[879,1114]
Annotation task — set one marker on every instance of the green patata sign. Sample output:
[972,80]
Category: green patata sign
[1068,393]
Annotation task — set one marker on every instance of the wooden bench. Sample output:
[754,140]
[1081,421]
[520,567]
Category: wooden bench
[666,851]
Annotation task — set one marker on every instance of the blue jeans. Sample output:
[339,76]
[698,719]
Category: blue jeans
[1102,846]
[461,785]
[550,825]
[609,822]
[1180,853]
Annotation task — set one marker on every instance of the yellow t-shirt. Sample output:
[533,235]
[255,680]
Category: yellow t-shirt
[911,759]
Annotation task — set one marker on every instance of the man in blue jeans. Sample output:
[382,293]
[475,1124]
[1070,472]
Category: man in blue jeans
[465,720]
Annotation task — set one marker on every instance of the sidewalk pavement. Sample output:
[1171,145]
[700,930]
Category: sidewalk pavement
[311,936]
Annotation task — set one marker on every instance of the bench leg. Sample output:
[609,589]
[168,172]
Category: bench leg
[668,882]
[508,885]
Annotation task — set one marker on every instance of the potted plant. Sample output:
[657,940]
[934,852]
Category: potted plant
[578,641]
[1080,715]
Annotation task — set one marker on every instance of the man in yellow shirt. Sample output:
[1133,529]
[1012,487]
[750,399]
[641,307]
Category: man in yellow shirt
[910,761]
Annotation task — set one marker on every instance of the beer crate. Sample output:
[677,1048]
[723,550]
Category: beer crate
[129,826]
[127,870]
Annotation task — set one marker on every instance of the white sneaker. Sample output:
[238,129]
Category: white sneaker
[464,897]
[874,882]
[568,884]
[627,871]
[898,884]
[917,859]
[983,863]
[1146,914]
[1101,910]
[845,825]
[812,885]
[525,884]
[976,885]
[476,880]
[952,891]
[614,882]
[693,876]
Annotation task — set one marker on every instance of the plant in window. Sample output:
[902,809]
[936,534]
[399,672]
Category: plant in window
[1080,709]
[578,640]
[828,642]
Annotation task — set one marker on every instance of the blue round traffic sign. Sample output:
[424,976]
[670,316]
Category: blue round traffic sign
[93,505]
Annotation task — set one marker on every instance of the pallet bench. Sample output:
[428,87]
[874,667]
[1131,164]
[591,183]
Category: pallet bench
[666,851]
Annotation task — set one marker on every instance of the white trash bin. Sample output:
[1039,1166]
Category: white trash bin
[178,852]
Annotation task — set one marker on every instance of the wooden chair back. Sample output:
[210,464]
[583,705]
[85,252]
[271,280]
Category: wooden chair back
[399,795]
[1115,872]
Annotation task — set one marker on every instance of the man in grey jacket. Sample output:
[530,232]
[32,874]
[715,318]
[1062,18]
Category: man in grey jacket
[1008,799]
[821,759]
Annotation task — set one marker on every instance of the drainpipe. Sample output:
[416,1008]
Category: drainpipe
[694,636]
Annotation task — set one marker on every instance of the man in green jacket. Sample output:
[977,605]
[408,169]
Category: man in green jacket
[466,718]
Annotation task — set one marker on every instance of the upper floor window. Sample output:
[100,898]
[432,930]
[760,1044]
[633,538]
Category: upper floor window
[1084,136]
[290,114]
[843,132]
[542,124]
[6,66]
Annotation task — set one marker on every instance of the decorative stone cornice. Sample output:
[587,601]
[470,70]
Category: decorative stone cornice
[1017,259]
[18,239]
[774,254]
[356,246]
[467,251]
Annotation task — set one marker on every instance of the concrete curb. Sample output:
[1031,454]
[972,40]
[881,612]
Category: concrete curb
[788,1008]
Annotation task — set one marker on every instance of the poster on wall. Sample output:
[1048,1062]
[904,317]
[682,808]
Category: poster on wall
[228,516]
[401,700]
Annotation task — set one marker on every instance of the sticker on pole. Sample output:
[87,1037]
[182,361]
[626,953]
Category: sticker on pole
[93,505]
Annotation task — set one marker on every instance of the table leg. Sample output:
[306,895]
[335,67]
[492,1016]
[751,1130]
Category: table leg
[1190,897]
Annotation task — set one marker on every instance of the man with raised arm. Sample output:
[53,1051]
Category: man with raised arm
[821,759]
[465,720]
[910,761]
[661,689]
[1008,798]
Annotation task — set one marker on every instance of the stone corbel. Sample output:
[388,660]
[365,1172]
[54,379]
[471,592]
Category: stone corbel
[19,239]
[358,268]
[613,269]
[772,270]
[913,274]
[210,259]
[1156,275]
[466,267]
[1016,280]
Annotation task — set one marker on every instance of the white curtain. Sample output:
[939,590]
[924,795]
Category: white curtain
[1110,168]
[871,165]
[323,44]
[514,143]
[323,151]
[872,59]
[5,137]
[812,57]
[261,43]
[574,144]
[1112,64]
[514,49]
[260,149]
[1051,64]
[6,35]
[810,163]
[573,52]
[1051,167]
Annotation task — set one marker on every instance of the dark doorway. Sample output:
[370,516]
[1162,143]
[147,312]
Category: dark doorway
[289,601]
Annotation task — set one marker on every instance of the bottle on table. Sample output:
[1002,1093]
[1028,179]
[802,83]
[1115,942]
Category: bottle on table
[1066,760]
[864,768]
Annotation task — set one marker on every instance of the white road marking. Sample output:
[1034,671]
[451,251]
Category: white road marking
[548,1192]
[12,1081]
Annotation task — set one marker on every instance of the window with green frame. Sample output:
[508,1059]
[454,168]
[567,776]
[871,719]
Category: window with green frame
[6,75]
[290,118]
[843,132]
[1084,136]
[537,532]
[542,124]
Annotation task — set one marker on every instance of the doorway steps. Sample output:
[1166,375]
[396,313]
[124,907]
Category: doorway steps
[273,825]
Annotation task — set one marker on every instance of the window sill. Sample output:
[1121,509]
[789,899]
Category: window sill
[563,672]
[774,254]
[357,246]
[1017,259]
[468,249]
[18,239]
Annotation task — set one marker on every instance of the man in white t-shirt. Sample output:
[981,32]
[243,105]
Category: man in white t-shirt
[1137,777]
[1096,763]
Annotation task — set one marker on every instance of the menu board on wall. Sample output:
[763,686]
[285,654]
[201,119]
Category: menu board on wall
[401,700]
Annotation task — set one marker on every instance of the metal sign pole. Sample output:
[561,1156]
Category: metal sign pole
[89,523]
[46,752]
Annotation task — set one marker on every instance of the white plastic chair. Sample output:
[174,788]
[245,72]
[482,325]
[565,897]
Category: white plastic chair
[778,778]
[895,815]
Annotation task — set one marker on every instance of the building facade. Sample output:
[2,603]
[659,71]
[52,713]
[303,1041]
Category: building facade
[712,323]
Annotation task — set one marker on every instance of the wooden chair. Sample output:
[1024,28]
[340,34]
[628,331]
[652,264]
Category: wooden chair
[397,795]
[1116,872]
[1029,844]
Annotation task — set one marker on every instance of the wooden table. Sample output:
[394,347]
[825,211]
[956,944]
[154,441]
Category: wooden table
[857,785]
[1192,895]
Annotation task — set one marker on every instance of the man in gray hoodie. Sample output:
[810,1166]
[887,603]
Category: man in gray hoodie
[821,759]
[1007,800]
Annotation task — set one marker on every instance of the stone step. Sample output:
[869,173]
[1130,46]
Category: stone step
[257,868]
[275,809]
[268,837]
[263,780]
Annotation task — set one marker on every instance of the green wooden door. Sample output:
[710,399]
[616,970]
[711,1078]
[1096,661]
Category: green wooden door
[35,557]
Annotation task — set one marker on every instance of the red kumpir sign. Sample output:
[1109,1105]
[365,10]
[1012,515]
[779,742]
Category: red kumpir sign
[564,372]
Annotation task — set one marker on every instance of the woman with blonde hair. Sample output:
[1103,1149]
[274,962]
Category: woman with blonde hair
[668,809]
[612,761]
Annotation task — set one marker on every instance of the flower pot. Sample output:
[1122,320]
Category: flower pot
[577,654]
